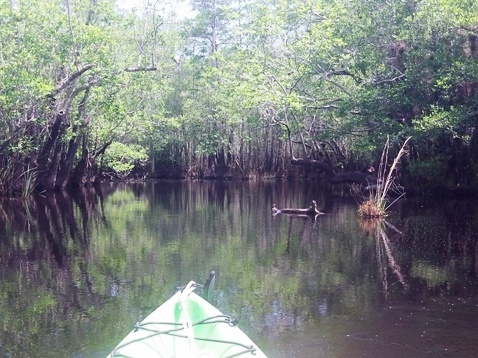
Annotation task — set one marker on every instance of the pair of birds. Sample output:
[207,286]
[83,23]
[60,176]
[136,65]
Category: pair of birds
[311,210]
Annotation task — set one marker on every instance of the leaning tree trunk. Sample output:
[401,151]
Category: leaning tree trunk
[47,166]
[50,179]
[85,171]
[52,173]
[66,166]
[79,176]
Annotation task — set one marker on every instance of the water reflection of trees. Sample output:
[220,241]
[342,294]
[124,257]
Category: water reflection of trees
[435,254]
[74,253]
[328,267]
[183,231]
[442,237]
[44,270]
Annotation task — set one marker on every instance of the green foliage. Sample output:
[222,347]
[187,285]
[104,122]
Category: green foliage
[429,173]
[254,82]
[122,158]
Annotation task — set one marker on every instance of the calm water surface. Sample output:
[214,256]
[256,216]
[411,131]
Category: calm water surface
[77,271]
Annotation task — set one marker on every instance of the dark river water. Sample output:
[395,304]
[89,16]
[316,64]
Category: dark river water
[77,271]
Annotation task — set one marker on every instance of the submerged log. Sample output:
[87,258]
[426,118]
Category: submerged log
[311,210]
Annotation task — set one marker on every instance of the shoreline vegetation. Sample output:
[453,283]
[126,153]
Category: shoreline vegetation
[93,92]
[364,194]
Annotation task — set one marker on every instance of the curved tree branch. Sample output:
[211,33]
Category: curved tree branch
[68,81]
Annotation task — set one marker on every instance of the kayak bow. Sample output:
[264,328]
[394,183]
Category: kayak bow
[186,325]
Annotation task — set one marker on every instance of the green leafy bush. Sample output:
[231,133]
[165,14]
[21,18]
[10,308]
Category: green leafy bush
[121,159]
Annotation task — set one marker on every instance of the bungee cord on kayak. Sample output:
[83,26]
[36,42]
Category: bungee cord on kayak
[186,317]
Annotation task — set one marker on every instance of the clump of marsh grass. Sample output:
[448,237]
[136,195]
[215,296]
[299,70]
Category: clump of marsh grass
[14,182]
[374,204]
[372,209]
[30,177]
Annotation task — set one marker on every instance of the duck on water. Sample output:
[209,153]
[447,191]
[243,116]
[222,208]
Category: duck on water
[311,210]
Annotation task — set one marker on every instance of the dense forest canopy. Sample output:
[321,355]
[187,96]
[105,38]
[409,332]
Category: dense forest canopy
[238,88]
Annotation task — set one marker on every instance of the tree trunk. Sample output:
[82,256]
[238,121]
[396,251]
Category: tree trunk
[67,164]
[315,164]
[85,171]
[78,176]
[50,179]
[46,164]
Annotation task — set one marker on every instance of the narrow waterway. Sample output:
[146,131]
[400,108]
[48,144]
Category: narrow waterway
[77,271]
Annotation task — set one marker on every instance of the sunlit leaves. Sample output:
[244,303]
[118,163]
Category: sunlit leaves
[122,158]
[218,81]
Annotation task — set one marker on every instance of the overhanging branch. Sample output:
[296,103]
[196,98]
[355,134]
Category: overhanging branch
[66,82]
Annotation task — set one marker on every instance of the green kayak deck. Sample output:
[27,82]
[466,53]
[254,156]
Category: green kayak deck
[186,325]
